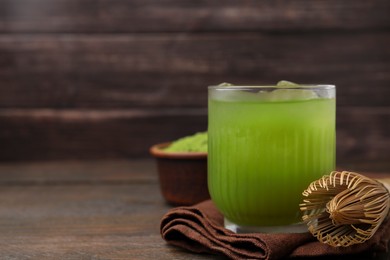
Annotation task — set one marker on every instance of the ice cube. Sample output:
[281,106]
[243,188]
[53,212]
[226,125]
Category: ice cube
[235,95]
[225,84]
[291,94]
[286,84]
[283,91]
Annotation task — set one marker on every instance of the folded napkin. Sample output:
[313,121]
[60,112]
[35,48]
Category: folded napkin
[199,228]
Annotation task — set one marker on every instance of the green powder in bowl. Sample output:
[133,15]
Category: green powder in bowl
[193,143]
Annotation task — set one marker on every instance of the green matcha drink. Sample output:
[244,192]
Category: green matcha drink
[266,145]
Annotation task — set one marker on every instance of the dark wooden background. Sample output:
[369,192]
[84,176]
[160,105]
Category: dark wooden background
[84,79]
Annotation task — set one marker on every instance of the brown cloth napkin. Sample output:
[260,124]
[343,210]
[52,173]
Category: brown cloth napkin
[199,228]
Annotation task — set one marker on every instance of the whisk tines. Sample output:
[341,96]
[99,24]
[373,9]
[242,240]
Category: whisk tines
[345,208]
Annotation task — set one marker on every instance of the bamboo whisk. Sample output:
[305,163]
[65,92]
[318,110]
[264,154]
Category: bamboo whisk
[345,208]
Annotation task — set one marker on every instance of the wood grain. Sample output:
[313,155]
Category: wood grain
[119,16]
[362,133]
[153,71]
[80,222]
[77,172]
[86,79]
[51,134]
[76,217]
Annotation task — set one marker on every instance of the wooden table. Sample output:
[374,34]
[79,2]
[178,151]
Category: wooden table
[84,210]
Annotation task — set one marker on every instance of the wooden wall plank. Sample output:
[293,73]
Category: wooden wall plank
[362,133]
[106,79]
[164,70]
[48,134]
[73,172]
[26,16]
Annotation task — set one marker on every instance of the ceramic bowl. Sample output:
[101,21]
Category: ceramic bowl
[182,175]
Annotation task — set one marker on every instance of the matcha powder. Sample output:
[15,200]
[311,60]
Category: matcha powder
[193,143]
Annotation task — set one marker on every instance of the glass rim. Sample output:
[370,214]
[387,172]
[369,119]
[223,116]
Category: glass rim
[272,87]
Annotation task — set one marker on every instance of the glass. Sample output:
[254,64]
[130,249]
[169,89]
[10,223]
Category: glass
[266,145]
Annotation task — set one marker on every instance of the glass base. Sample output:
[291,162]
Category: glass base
[293,228]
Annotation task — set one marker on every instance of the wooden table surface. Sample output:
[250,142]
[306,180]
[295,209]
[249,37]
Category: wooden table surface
[84,210]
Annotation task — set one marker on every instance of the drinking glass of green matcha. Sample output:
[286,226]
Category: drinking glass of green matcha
[266,144]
